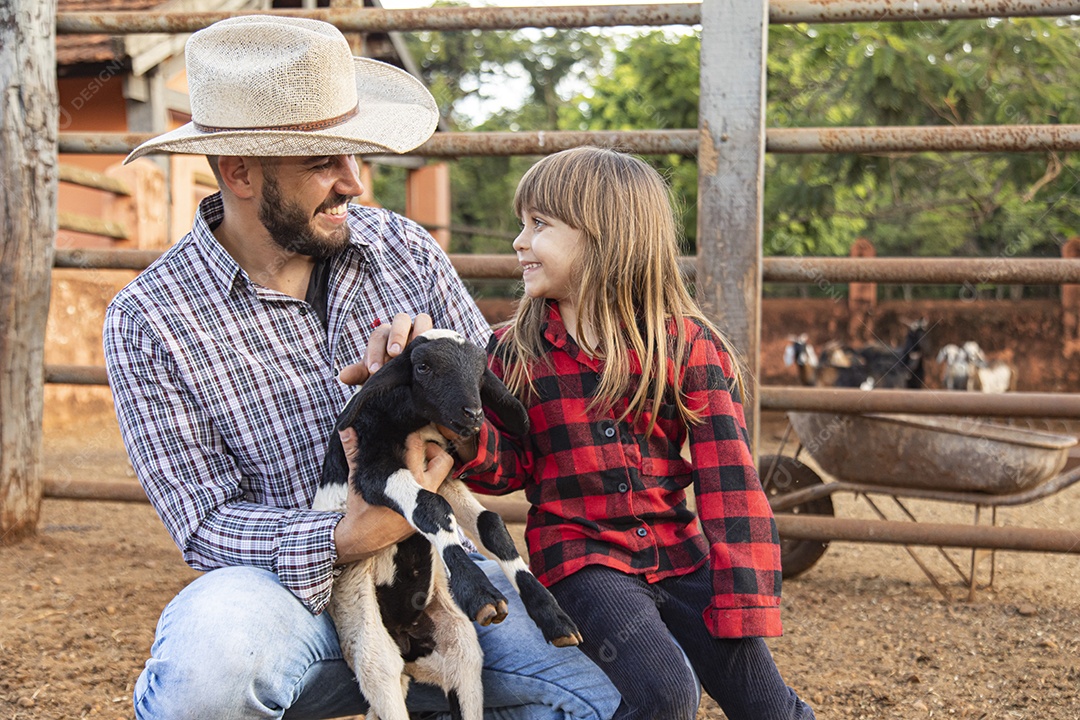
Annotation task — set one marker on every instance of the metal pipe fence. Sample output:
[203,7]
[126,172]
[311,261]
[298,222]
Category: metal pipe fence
[510,18]
[1014,138]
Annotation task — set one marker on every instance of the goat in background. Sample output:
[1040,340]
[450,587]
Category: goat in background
[876,365]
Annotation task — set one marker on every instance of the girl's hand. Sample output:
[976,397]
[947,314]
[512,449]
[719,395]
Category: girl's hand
[386,341]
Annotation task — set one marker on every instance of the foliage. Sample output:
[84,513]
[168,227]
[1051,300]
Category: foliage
[1016,71]
[991,72]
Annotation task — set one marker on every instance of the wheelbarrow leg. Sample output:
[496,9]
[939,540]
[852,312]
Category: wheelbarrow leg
[926,571]
[948,558]
[974,554]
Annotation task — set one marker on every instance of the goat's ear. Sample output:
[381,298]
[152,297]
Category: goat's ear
[395,373]
[511,413]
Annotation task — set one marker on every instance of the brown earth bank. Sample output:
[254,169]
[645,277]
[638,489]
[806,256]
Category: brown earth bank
[866,634]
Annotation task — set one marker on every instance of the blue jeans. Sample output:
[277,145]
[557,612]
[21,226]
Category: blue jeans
[236,644]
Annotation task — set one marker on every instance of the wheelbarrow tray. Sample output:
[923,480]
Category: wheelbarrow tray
[931,451]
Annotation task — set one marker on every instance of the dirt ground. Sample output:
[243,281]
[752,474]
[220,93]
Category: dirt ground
[866,634]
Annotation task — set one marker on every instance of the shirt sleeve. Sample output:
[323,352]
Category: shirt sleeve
[193,482]
[744,547]
[452,305]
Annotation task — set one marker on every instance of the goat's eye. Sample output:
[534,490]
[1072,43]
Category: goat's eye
[423,369]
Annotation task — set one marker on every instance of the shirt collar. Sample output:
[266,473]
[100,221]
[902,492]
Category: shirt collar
[223,268]
[555,332]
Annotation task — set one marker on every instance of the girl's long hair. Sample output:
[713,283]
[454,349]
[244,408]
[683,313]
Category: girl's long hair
[629,288]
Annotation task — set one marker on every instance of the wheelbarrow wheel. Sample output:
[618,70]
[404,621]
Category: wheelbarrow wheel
[781,474]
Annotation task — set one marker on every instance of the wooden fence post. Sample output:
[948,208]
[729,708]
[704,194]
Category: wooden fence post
[1070,305]
[29,116]
[731,168]
[862,297]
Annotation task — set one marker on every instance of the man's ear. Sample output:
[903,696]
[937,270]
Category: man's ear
[239,175]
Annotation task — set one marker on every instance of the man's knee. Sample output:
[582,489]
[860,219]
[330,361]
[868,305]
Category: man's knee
[228,641]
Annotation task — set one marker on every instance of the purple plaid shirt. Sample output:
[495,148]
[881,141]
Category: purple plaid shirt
[227,391]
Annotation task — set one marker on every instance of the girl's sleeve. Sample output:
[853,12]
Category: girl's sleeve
[744,547]
[503,462]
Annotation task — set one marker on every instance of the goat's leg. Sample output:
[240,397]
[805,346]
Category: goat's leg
[489,528]
[457,662]
[366,645]
[434,518]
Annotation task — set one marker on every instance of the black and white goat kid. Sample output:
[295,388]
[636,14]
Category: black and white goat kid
[407,611]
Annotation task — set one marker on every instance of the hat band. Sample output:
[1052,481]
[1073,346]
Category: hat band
[299,127]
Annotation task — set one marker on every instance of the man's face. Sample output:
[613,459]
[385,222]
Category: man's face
[303,203]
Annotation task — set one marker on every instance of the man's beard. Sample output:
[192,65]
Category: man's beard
[291,229]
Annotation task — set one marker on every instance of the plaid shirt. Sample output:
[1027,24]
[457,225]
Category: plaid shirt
[603,493]
[227,391]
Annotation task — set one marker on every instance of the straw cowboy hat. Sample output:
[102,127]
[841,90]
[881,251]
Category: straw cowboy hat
[265,86]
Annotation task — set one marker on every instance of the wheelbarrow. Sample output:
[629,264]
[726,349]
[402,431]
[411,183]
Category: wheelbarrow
[942,458]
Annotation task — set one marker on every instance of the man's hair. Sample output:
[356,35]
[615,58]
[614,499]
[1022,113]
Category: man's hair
[629,287]
[213,162]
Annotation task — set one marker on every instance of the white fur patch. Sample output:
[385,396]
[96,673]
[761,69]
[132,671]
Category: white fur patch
[443,334]
[402,488]
[331,497]
[510,569]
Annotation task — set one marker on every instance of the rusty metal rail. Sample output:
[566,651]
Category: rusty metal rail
[811,270]
[510,18]
[922,402]
[891,532]
[971,138]
[796,527]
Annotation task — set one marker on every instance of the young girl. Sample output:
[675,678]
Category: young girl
[618,367]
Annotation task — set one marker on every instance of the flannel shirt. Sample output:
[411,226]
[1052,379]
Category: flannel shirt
[603,493]
[227,392]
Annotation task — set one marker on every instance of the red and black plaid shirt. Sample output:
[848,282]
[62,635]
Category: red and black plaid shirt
[603,493]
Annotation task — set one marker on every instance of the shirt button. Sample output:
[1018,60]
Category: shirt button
[609,432]
[303,310]
[623,487]
[642,532]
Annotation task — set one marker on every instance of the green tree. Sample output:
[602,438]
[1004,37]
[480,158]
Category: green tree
[464,68]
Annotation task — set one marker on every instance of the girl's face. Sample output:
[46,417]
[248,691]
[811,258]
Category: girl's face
[548,249]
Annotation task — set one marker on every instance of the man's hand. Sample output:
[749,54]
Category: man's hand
[386,341]
[367,529]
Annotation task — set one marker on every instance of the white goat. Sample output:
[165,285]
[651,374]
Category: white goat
[989,376]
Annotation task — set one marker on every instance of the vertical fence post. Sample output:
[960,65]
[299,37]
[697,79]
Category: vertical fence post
[731,167]
[28,186]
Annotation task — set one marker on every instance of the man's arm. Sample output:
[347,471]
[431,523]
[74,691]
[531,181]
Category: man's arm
[367,529]
[192,479]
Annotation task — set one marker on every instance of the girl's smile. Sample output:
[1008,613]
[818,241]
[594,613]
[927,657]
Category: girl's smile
[547,250]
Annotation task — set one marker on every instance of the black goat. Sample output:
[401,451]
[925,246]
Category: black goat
[868,367]
[399,614]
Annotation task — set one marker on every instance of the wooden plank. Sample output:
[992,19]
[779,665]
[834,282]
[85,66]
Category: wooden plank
[91,225]
[88,178]
[29,117]
[731,168]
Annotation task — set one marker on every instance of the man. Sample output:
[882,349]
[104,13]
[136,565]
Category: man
[224,358]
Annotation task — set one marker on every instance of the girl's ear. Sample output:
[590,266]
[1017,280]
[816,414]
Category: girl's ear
[511,413]
[395,373]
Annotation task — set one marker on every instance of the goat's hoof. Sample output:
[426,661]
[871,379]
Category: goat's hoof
[492,613]
[567,640]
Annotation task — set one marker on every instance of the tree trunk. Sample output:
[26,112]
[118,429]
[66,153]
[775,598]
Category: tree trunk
[28,187]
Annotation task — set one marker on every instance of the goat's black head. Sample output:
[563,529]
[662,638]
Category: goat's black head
[449,384]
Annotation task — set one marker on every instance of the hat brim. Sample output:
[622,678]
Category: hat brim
[396,114]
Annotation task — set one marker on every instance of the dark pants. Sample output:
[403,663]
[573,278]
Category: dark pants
[628,625]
